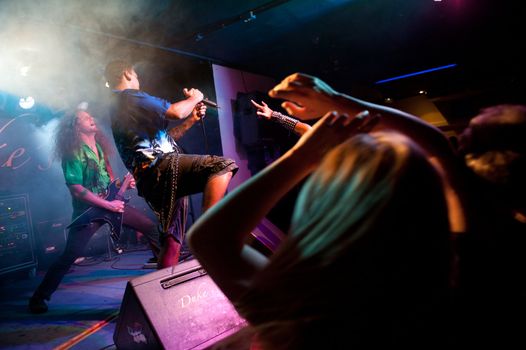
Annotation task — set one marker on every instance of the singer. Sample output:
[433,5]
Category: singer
[164,175]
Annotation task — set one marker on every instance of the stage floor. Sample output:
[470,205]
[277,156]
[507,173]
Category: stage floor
[82,312]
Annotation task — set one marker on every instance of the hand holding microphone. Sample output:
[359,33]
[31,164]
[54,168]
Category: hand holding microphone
[198,94]
[199,111]
[195,93]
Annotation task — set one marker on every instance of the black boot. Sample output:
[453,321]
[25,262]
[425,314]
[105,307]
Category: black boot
[37,304]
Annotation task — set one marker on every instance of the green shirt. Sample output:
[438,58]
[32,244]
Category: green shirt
[85,169]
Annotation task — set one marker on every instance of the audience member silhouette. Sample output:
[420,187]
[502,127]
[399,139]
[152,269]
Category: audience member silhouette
[486,196]
[366,261]
[492,254]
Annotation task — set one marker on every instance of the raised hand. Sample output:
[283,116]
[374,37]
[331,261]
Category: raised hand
[193,93]
[329,132]
[263,109]
[307,97]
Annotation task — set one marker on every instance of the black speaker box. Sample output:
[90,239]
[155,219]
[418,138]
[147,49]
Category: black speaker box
[52,235]
[174,308]
[100,243]
[16,235]
[52,239]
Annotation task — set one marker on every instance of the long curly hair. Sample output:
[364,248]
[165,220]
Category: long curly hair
[68,141]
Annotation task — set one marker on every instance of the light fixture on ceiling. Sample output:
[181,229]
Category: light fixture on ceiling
[24,70]
[26,102]
[416,73]
[249,17]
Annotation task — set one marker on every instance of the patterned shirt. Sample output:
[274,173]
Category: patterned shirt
[88,170]
[140,128]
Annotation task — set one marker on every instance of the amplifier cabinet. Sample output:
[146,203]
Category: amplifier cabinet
[16,235]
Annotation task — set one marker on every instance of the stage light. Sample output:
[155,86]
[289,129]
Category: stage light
[83,106]
[26,102]
[251,16]
[24,70]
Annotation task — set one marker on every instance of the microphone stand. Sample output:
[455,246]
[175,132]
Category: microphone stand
[213,105]
[202,122]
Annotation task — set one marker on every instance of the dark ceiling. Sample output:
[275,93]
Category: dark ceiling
[349,43]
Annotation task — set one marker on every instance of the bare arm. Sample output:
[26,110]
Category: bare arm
[181,109]
[217,238]
[308,97]
[81,193]
[301,128]
[197,113]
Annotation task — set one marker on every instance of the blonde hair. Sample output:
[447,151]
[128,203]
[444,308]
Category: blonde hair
[373,214]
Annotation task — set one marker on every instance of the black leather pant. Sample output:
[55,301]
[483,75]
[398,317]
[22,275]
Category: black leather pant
[78,238]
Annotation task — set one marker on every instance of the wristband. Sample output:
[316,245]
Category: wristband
[285,121]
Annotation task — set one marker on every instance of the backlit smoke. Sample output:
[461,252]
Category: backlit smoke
[55,51]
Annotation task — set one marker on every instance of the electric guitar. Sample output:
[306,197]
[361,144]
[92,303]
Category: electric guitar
[114,191]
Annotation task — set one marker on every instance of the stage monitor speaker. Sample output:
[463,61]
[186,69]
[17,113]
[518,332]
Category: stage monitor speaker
[174,308]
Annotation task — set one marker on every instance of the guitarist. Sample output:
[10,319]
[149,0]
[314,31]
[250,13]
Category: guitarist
[84,151]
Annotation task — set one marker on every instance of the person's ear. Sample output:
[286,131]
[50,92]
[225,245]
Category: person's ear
[128,75]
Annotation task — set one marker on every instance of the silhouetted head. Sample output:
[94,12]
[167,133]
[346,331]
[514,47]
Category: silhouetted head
[119,72]
[494,148]
[368,246]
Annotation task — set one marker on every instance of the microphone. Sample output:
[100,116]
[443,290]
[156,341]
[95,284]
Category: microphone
[209,103]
